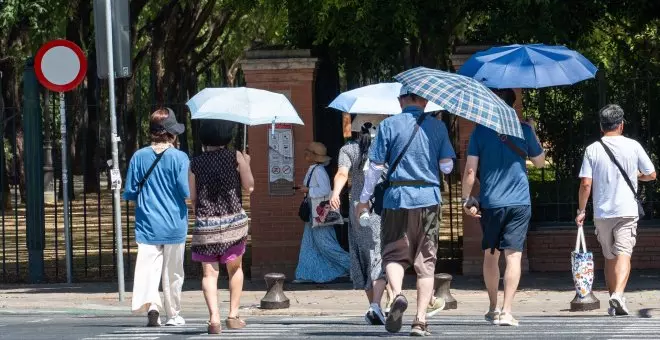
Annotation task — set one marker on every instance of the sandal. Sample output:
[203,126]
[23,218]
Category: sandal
[419,329]
[395,317]
[235,322]
[214,328]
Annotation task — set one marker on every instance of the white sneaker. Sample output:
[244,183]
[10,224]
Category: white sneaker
[618,302]
[374,315]
[175,321]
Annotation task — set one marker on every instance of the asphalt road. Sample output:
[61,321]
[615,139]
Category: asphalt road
[60,326]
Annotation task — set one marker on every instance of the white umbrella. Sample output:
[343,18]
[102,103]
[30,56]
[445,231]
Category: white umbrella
[243,105]
[374,99]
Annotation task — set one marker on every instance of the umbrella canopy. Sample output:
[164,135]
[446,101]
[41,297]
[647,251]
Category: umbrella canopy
[528,66]
[464,97]
[243,105]
[374,99]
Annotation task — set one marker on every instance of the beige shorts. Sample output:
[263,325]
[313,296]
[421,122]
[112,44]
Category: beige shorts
[617,236]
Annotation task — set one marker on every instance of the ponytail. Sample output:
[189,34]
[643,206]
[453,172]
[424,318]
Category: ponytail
[364,141]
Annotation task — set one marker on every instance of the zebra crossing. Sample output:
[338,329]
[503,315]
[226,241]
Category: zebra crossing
[451,327]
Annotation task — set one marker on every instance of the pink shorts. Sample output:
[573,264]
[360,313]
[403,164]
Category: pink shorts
[230,255]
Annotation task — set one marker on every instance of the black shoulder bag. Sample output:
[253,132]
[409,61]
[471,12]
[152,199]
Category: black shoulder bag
[640,209]
[305,210]
[146,175]
[379,190]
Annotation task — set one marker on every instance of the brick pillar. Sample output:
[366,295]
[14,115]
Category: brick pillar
[276,229]
[472,253]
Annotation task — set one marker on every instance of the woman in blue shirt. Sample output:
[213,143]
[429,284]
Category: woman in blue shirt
[157,180]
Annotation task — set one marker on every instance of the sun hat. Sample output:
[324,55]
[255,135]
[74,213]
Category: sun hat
[318,152]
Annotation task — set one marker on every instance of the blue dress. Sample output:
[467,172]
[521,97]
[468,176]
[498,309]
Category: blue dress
[321,258]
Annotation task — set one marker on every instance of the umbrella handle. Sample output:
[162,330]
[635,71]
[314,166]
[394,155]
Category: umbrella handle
[580,240]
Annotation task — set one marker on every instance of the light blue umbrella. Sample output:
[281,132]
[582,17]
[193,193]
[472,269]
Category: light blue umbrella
[464,97]
[528,66]
[374,99]
[243,105]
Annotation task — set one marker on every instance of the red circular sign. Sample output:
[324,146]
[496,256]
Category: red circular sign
[60,65]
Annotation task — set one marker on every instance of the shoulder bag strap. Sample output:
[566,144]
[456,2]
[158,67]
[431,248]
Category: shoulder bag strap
[405,148]
[623,172]
[146,175]
[309,180]
[514,147]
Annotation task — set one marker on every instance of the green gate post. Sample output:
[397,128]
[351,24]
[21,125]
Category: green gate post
[34,178]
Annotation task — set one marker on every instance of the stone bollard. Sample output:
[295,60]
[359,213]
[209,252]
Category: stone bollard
[442,282]
[587,303]
[274,298]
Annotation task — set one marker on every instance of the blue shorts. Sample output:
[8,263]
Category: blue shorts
[505,228]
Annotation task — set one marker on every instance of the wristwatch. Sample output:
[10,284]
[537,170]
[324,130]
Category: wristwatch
[580,212]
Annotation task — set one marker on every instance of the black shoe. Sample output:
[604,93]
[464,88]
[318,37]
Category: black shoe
[394,320]
[153,318]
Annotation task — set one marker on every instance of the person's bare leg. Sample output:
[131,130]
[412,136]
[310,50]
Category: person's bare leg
[492,276]
[210,289]
[621,273]
[395,273]
[424,293]
[370,295]
[511,277]
[377,291]
[610,275]
[235,271]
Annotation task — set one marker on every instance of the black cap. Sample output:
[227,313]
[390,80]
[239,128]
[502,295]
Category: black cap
[168,124]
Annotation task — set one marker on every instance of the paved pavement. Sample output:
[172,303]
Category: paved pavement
[277,327]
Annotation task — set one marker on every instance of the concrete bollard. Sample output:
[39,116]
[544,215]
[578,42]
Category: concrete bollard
[589,302]
[442,283]
[275,298]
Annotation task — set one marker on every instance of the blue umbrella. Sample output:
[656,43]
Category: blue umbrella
[528,66]
[464,97]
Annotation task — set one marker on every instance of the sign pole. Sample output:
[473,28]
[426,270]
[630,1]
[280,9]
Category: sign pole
[65,191]
[116,206]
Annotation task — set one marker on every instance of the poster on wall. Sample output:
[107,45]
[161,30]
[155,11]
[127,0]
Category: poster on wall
[280,160]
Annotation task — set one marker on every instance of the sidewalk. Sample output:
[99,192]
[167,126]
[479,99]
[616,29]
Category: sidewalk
[540,294]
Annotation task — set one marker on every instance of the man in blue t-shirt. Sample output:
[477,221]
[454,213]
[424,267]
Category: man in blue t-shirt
[411,205]
[504,202]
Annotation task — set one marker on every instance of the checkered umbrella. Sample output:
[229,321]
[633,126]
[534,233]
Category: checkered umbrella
[464,97]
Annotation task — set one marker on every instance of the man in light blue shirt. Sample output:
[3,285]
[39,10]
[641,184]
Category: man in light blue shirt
[411,204]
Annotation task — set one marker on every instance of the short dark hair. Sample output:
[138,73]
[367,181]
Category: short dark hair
[216,132]
[162,136]
[507,95]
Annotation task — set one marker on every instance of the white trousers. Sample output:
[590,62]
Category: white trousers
[155,263]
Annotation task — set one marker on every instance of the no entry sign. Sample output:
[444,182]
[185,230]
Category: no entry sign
[60,65]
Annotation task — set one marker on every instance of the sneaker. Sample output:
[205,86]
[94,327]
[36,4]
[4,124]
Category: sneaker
[618,302]
[395,318]
[611,311]
[493,317]
[506,319]
[420,329]
[175,321]
[153,318]
[374,315]
[435,306]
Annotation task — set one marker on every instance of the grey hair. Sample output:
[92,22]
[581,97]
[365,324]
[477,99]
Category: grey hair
[611,117]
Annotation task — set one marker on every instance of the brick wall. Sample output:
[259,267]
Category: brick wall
[549,249]
[276,229]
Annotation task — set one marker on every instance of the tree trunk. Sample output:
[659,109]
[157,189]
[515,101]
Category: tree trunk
[93,159]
